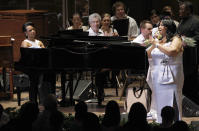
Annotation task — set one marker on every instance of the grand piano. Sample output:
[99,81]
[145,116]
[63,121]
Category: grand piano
[69,53]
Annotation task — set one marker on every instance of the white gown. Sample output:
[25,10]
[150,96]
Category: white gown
[166,80]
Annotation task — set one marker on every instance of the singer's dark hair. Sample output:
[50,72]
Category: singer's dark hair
[27,24]
[171,28]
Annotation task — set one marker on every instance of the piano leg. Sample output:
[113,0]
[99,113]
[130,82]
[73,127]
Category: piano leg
[65,102]
[70,85]
[33,91]
[100,81]
[63,88]
[50,78]
[4,79]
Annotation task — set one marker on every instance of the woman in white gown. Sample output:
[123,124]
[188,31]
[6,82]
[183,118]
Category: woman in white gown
[165,74]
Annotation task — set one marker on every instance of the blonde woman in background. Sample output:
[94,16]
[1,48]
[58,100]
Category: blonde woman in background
[106,26]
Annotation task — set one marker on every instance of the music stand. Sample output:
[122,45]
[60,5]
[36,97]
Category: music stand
[121,26]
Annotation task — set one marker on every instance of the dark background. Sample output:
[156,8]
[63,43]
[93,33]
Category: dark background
[138,9]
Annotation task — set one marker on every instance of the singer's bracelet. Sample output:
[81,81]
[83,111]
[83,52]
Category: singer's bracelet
[156,46]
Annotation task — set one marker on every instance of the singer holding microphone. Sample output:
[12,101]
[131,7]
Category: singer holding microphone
[165,74]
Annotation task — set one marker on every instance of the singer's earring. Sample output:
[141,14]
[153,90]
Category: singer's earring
[26,35]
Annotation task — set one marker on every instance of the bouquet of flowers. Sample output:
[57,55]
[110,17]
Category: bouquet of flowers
[187,41]
[157,36]
[147,43]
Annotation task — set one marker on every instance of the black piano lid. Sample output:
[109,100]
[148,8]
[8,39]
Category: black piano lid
[71,37]
[76,32]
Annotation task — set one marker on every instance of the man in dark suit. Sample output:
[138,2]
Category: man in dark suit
[189,27]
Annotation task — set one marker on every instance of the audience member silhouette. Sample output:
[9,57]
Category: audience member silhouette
[4,117]
[111,120]
[168,115]
[91,122]
[50,119]
[155,18]
[27,115]
[80,111]
[137,119]
[180,126]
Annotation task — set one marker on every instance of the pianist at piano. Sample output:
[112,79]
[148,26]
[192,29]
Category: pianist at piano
[30,33]
[36,80]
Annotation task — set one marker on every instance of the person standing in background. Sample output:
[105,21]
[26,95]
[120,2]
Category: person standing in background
[77,23]
[189,27]
[119,13]
[94,22]
[106,26]
[155,18]
[168,13]
[146,32]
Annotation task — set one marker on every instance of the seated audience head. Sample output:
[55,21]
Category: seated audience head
[56,121]
[91,122]
[137,113]
[50,102]
[180,126]
[94,21]
[146,28]
[119,10]
[185,9]
[29,30]
[168,114]
[80,109]
[29,111]
[112,114]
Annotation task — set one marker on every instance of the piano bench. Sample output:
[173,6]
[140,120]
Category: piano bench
[20,81]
